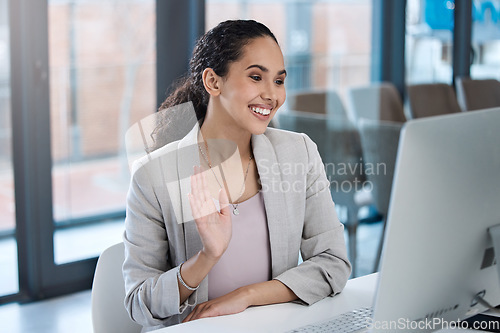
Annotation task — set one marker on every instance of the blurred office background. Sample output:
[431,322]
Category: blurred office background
[75,75]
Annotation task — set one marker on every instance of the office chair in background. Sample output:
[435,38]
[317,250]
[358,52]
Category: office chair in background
[339,145]
[433,99]
[324,102]
[313,101]
[477,94]
[108,293]
[347,188]
[377,101]
[380,141]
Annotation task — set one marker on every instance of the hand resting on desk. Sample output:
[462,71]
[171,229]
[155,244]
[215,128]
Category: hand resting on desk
[269,292]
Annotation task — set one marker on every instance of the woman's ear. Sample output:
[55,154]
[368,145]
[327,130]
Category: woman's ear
[211,81]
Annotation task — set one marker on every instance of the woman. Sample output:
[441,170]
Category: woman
[188,259]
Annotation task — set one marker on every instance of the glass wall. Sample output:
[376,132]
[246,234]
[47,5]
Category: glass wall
[102,80]
[326,44]
[486,39]
[8,245]
[429,41]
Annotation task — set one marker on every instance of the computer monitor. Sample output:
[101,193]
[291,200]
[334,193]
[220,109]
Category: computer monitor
[438,254]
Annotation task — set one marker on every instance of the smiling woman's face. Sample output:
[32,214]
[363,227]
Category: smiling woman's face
[254,88]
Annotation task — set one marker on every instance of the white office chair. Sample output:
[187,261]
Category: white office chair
[108,292]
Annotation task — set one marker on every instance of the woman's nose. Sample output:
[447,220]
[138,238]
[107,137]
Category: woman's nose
[269,92]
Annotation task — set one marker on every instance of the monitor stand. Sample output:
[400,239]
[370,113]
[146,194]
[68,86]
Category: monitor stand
[488,260]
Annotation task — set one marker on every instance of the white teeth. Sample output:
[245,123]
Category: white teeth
[261,111]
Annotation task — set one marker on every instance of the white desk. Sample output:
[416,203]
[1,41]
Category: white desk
[358,292]
[283,317]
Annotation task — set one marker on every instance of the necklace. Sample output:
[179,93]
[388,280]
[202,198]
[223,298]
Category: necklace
[206,158]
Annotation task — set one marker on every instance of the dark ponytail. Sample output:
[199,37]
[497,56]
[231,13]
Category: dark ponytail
[216,49]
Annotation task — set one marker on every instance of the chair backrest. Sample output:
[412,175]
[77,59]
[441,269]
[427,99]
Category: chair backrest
[108,293]
[340,149]
[377,101]
[478,94]
[313,101]
[314,125]
[380,142]
[432,99]
[317,101]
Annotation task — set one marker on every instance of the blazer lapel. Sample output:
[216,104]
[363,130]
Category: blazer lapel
[275,202]
[187,157]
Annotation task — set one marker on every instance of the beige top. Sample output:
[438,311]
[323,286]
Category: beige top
[247,259]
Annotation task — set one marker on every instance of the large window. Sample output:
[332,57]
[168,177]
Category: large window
[429,41]
[326,44]
[102,80]
[486,39]
[8,244]
[74,76]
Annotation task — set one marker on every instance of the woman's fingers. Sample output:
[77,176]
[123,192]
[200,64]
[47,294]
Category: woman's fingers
[204,188]
[188,318]
[193,198]
[206,314]
[194,180]
[201,311]
[194,314]
[208,204]
[194,206]
[200,199]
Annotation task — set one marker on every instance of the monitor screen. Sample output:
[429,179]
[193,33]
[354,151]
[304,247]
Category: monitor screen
[438,254]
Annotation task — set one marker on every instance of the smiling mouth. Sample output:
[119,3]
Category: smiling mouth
[261,111]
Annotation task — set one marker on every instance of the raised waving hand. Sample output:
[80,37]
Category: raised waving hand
[214,227]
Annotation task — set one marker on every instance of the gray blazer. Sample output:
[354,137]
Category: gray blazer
[160,233]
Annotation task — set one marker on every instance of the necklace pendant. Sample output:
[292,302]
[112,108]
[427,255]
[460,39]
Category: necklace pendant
[236,211]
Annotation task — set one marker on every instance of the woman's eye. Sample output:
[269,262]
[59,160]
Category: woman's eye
[280,82]
[255,77]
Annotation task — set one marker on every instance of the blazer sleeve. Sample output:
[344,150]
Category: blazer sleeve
[325,268]
[152,294]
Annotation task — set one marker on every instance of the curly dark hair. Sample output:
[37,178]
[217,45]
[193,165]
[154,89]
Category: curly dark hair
[216,49]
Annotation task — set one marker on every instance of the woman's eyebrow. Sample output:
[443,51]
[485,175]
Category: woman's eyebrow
[264,69]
